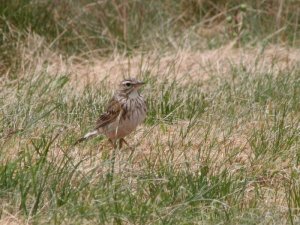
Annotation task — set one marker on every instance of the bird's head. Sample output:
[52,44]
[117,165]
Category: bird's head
[130,85]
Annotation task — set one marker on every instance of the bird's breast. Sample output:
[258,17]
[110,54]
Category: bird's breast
[134,113]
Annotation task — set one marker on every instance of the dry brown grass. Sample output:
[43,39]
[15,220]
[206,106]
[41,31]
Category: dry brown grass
[190,65]
[186,64]
[164,143]
[12,219]
[223,145]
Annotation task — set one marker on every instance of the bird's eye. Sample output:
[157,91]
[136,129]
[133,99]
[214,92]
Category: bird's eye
[128,84]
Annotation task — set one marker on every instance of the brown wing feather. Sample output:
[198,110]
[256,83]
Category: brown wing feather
[113,110]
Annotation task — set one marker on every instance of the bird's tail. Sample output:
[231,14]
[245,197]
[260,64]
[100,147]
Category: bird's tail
[87,136]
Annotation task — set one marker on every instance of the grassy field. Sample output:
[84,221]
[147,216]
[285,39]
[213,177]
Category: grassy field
[221,142]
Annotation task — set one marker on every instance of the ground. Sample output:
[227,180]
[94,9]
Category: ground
[220,144]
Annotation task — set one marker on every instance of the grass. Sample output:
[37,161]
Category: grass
[88,28]
[221,138]
[229,155]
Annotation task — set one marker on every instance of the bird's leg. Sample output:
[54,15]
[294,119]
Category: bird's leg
[120,143]
[122,140]
[130,147]
[113,143]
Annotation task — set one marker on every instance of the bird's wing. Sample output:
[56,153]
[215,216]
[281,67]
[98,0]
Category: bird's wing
[113,110]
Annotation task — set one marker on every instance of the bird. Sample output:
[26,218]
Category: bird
[125,111]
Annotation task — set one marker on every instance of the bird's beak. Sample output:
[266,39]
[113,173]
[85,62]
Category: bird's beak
[139,84]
